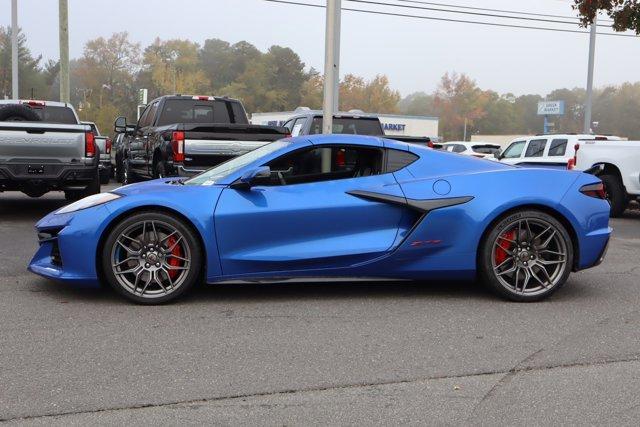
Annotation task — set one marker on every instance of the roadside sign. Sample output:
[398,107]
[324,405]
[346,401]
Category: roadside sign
[550,108]
[142,96]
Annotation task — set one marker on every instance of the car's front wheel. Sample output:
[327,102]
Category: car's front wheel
[526,256]
[151,258]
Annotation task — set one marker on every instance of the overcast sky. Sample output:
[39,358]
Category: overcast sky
[414,53]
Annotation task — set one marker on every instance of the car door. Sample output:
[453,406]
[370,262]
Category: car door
[513,153]
[312,216]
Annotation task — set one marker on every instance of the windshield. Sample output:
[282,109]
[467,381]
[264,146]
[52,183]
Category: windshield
[215,174]
[62,115]
[351,125]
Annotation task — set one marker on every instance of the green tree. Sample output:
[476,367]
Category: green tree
[32,83]
[417,104]
[625,13]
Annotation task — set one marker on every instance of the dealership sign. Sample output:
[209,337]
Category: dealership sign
[550,108]
[397,127]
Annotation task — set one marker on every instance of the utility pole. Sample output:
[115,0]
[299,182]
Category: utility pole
[14,49]
[589,100]
[336,50]
[331,64]
[63,17]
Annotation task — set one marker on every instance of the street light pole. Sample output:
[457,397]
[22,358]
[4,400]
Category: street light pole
[589,100]
[63,17]
[14,49]
[331,64]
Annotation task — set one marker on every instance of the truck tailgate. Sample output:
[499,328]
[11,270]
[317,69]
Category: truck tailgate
[43,142]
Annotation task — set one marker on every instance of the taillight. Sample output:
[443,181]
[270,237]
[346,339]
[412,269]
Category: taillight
[429,144]
[177,145]
[89,144]
[203,98]
[594,190]
[572,162]
[107,146]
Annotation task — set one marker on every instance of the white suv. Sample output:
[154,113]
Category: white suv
[553,151]
[476,149]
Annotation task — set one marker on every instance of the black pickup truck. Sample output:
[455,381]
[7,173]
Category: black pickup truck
[310,123]
[179,135]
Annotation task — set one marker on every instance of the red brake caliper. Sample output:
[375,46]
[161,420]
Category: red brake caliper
[173,261]
[504,246]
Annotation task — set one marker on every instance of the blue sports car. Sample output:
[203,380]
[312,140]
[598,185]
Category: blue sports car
[333,206]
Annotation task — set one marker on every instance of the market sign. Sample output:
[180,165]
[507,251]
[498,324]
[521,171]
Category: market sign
[550,108]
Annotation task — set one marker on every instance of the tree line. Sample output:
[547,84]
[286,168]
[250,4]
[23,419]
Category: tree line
[106,78]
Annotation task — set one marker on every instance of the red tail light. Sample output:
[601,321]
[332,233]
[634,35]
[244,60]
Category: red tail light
[89,144]
[177,144]
[594,190]
[107,146]
[572,162]
[429,144]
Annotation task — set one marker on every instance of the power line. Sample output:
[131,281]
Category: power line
[544,15]
[462,12]
[461,21]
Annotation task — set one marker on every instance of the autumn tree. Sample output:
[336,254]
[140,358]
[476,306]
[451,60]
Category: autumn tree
[625,13]
[458,99]
[375,96]
[173,66]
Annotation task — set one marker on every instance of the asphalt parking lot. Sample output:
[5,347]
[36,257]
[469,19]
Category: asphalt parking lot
[317,353]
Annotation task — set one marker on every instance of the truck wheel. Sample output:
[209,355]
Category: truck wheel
[160,170]
[18,113]
[616,195]
[129,176]
[105,177]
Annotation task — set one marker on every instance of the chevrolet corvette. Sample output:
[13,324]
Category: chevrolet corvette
[333,206]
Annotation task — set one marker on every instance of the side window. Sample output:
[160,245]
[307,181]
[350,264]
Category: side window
[239,115]
[144,116]
[325,164]
[459,148]
[397,159]
[288,124]
[536,148]
[558,147]
[514,150]
[297,126]
[148,115]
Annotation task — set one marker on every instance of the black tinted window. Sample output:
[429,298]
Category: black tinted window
[536,148]
[558,147]
[486,149]
[326,164]
[397,159]
[62,115]
[239,115]
[194,111]
[349,126]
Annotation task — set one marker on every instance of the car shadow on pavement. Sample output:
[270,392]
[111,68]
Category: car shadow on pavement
[14,206]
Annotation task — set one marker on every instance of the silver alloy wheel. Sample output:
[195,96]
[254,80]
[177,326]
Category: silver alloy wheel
[150,259]
[529,256]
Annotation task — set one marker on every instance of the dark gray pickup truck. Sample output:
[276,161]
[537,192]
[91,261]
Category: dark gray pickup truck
[183,135]
[44,147]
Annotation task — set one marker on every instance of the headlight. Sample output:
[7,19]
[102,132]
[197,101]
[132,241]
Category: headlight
[88,202]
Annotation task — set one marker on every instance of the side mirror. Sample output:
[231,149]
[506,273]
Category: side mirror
[253,177]
[120,125]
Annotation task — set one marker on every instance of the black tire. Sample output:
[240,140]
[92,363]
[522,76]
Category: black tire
[119,170]
[105,178]
[616,194]
[526,255]
[18,113]
[129,176]
[92,188]
[121,281]
[160,170]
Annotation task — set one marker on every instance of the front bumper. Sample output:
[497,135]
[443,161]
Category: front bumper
[68,245]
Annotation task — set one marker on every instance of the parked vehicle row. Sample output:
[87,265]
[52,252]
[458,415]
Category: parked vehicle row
[44,147]
[181,135]
[103,144]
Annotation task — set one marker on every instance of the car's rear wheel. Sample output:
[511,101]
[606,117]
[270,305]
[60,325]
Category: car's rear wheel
[526,256]
[151,258]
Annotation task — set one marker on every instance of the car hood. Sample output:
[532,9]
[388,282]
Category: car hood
[163,185]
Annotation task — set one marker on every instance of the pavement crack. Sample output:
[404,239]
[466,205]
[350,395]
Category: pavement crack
[508,374]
